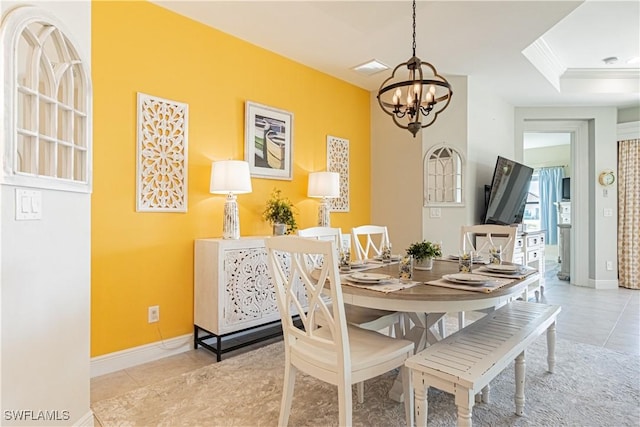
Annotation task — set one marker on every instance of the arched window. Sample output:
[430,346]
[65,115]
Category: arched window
[443,177]
[47,84]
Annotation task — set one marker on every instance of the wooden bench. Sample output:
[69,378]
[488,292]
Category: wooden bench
[464,363]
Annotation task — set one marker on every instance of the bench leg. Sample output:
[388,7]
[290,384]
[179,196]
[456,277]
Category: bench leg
[485,394]
[420,392]
[408,394]
[464,402]
[551,347]
[520,374]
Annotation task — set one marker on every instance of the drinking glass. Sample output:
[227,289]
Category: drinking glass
[465,261]
[495,255]
[345,260]
[386,253]
[405,267]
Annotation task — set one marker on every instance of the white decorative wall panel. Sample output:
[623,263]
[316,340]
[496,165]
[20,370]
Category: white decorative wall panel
[162,155]
[338,161]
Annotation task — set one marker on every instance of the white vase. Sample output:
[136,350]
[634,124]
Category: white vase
[423,264]
[279,229]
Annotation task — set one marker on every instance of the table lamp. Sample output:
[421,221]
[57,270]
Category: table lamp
[324,185]
[230,177]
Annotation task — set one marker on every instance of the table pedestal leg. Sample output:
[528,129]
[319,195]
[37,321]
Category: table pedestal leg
[422,334]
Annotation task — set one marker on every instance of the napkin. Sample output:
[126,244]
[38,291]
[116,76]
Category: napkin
[526,271]
[386,286]
[486,288]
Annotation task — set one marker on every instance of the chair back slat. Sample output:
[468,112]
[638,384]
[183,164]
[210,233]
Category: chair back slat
[368,240]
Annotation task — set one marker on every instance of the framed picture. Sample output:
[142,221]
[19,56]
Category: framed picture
[268,141]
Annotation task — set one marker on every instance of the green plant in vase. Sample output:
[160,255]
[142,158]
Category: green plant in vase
[279,213]
[423,253]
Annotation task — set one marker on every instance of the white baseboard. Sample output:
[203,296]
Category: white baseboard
[124,359]
[603,284]
[86,420]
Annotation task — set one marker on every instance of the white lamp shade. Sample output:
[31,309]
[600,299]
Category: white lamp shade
[230,176]
[324,184]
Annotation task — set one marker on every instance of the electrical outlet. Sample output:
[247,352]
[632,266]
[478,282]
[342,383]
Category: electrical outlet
[609,265]
[154,313]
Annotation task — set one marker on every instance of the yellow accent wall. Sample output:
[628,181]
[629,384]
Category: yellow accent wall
[144,259]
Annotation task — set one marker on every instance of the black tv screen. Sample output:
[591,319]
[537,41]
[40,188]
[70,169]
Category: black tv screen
[566,188]
[509,189]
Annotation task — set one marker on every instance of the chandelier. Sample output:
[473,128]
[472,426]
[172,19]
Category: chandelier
[424,95]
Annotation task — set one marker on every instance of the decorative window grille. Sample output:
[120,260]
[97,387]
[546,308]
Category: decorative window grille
[443,177]
[47,84]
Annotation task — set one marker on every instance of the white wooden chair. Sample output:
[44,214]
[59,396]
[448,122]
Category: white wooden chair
[481,238]
[368,240]
[337,353]
[363,317]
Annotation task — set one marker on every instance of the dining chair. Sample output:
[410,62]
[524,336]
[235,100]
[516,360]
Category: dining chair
[367,318]
[368,240]
[481,238]
[336,352]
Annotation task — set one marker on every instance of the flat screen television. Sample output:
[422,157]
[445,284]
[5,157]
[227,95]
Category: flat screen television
[566,188]
[508,195]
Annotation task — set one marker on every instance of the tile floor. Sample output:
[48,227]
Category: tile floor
[605,318]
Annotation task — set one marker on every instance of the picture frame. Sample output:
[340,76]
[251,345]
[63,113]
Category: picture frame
[268,141]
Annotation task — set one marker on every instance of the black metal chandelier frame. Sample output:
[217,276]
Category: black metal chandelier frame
[417,105]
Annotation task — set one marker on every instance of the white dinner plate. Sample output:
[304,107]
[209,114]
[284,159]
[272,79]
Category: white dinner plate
[393,258]
[475,258]
[369,277]
[503,268]
[358,264]
[467,278]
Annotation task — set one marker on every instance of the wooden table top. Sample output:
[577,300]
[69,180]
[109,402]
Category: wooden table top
[429,298]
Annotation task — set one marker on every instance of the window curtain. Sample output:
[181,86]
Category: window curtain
[550,184]
[629,213]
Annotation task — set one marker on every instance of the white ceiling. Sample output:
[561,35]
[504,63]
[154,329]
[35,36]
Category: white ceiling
[564,42]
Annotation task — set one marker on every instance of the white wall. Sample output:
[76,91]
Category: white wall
[45,285]
[450,128]
[491,130]
[396,179]
[477,123]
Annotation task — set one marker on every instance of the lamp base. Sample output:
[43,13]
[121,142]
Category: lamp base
[231,222]
[323,214]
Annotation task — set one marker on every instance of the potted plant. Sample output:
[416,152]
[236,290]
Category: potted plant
[279,213]
[423,253]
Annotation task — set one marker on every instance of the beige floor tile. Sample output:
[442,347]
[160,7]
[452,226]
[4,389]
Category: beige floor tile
[159,370]
[111,385]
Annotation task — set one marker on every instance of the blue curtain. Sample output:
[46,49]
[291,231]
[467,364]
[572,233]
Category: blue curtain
[550,183]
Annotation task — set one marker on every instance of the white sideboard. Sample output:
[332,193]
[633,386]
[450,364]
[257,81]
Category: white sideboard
[232,291]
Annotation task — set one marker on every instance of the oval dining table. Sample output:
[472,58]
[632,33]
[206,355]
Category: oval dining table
[427,304]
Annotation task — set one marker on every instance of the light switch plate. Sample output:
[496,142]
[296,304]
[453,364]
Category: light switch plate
[28,205]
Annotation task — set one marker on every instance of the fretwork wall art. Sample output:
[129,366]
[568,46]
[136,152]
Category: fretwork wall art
[161,166]
[338,161]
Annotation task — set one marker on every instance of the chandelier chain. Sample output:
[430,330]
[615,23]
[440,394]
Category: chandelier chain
[414,27]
